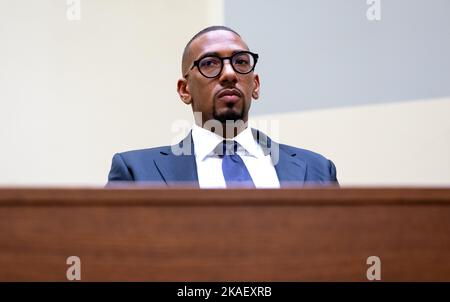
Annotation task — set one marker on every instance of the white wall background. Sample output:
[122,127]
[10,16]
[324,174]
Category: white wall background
[72,93]
[405,143]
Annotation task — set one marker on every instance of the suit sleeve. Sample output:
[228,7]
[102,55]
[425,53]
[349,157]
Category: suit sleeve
[333,173]
[119,170]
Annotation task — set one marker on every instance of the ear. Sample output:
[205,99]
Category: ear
[183,91]
[255,92]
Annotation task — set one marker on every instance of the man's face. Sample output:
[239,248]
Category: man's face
[227,96]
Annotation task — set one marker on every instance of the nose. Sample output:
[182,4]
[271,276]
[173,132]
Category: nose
[228,74]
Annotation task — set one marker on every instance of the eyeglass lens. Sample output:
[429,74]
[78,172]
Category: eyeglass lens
[212,66]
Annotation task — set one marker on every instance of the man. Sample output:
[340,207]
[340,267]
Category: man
[219,82]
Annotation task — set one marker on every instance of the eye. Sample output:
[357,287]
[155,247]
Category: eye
[209,63]
[242,60]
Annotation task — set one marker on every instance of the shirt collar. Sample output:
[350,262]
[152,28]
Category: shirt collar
[247,141]
[206,141]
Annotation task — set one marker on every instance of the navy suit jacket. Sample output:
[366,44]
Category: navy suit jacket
[165,165]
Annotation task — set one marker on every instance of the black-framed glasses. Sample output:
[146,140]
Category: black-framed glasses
[211,66]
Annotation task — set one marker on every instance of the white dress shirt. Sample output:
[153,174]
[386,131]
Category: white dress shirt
[209,164]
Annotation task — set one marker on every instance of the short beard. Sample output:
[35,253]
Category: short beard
[230,115]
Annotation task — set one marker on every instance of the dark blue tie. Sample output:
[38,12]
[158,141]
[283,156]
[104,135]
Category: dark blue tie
[234,170]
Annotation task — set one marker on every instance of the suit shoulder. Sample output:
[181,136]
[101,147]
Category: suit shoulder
[318,166]
[136,165]
[147,153]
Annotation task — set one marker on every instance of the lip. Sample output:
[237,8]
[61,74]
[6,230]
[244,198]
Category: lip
[229,95]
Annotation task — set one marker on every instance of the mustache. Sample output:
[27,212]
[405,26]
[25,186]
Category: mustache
[229,91]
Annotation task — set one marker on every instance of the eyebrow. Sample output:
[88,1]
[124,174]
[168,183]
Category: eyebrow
[214,53]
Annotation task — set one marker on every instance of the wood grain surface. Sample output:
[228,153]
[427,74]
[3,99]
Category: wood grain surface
[156,234]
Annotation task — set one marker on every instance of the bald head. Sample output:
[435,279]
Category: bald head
[188,55]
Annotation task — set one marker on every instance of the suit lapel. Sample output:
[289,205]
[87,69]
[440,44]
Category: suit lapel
[177,164]
[291,170]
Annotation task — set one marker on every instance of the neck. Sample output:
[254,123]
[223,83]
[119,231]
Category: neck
[231,131]
[227,130]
